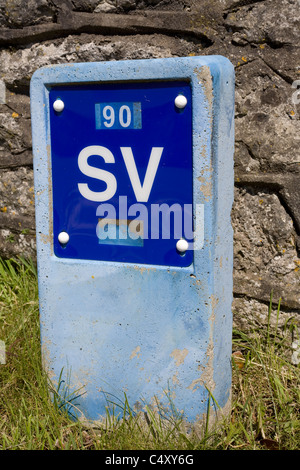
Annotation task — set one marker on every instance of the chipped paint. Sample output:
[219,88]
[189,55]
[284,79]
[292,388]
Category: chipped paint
[208,374]
[206,178]
[175,379]
[207,370]
[205,79]
[135,352]
[179,356]
[46,239]
[143,269]
[195,384]
[50,197]
[205,187]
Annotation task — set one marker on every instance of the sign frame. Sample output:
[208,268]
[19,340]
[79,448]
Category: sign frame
[160,334]
[138,176]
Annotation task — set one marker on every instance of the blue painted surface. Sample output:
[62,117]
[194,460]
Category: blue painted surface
[143,329]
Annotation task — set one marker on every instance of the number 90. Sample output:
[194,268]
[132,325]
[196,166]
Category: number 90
[124,116]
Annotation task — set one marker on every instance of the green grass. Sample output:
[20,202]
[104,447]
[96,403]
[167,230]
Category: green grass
[265,390]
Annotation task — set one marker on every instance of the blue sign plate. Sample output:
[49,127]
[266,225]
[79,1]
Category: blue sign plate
[122,172]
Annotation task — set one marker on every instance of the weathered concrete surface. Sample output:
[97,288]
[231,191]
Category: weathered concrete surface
[261,38]
[265,248]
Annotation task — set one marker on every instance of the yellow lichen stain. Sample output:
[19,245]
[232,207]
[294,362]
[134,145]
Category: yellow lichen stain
[15,115]
[297,262]
[135,352]
[3,209]
[179,356]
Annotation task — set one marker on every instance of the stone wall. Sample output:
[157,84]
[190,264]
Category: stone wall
[260,37]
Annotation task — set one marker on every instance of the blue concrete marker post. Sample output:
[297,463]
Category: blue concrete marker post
[133,168]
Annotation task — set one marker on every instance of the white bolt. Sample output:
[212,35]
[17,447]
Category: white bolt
[58,105]
[180,101]
[63,238]
[182,246]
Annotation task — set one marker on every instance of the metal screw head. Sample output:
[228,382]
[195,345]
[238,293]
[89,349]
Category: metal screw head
[63,238]
[180,101]
[58,105]
[182,246]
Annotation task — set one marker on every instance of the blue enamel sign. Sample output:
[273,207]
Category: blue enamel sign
[122,164]
[133,176]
